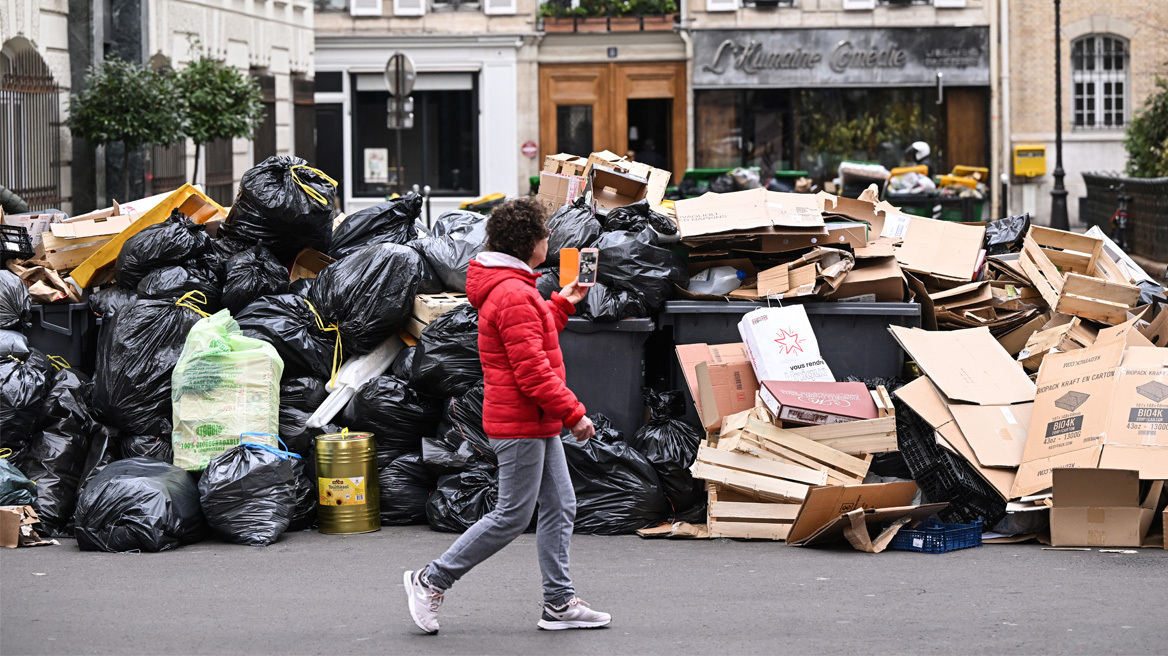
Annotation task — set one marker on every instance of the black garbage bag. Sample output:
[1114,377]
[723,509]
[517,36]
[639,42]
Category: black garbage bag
[111,299]
[138,504]
[55,459]
[136,354]
[548,282]
[403,363]
[606,304]
[24,384]
[637,217]
[288,323]
[171,242]
[461,443]
[671,445]
[299,398]
[149,446]
[396,415]
[103,449]
[1005,235]
[170,283]
[690,188]
[458,237]
[388,222]
[285,204]
[446,362]
[461,500]
[368,295]
[248,493]
[307,493]
[632,262]
[301,287]
[15,488]
[723,184]
[405,486]
[250,274]
[617,489]
[14,344]
[572,226]
[15,303]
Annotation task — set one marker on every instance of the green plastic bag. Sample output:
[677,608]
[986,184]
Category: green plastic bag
[15,488]
[224,384]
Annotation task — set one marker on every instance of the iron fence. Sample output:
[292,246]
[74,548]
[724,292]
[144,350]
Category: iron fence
[30,129]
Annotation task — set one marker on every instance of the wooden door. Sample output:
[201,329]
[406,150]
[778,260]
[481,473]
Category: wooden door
[966,128]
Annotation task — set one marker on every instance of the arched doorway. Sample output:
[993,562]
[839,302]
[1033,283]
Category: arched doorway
[30,126]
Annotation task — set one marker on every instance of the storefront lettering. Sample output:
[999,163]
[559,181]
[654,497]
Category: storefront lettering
[953,57]
[844,56]
[752,58]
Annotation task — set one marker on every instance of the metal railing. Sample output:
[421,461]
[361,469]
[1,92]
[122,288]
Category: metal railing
[1147,213]
[30,129]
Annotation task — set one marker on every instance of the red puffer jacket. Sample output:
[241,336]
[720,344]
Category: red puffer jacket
[519,346]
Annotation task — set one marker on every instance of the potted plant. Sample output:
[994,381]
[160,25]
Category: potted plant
[658,14]
[555,18]
[592,16]
[624,16]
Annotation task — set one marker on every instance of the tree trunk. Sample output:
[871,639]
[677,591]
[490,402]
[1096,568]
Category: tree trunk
[195,172]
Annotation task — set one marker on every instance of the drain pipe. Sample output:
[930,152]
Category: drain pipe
[687,39]
[1004,91]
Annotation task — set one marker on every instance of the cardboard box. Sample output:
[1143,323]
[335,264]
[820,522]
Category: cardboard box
[817,404]
[35,223]
[876,277]
[611,188]
[564,164]
[308,264]
[996,433]
[844,512]
[16,528]
[720,378]
[1101,508]
[713,213]
[655,180]
[790,210]
[967,365]
[557,190]
[818,273]
[853,234]
[940,248]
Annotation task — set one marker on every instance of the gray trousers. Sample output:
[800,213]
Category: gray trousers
[531,470]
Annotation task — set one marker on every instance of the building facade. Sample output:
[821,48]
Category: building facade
[1111,54]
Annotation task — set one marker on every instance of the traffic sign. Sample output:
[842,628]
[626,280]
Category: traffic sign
[400,74]
[529,149]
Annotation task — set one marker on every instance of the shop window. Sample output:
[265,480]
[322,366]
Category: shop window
[1099,78]
[441,150]
[751,128]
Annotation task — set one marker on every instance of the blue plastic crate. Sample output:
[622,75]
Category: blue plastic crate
[935,537]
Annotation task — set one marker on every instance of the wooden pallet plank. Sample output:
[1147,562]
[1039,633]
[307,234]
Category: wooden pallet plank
[833,477]
[1045,289]
[811,448]
[748,530]
[762,467]
[1104,290]
[1092,308]
[771,489]
[777,512]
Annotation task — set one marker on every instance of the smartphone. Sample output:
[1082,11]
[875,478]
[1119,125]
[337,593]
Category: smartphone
[569,265]
[589,259]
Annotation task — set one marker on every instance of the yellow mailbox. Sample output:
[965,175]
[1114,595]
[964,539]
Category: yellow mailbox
[1029,160]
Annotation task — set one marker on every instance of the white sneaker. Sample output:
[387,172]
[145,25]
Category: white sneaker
[424,602]
[576,614]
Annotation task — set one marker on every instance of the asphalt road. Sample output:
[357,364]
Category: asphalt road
[318,594]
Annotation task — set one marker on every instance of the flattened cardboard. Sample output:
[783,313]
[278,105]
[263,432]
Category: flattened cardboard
[852,234]
[728,379]
[975,293]
[817,404]
[832,513]
[111,225]
[1157,330]
[794,210]
[940,248]
[876,279]
[713,213]
[967,365]
[1101,508]
[308,264]
[817,273]
[857,210]
[996,433]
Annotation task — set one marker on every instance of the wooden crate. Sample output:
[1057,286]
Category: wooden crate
[769,480]
[732,514]
[1075,277]
[67,254]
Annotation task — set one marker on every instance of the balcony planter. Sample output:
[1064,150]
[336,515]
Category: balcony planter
[624,24]
[559,24]
[658,23]
[592,24]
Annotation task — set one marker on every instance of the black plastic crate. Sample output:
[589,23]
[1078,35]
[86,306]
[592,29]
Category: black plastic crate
[15,244]
[943,476]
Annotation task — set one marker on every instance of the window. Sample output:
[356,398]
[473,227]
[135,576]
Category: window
[264,144]
[303,118]
[441,150]
[1099,79]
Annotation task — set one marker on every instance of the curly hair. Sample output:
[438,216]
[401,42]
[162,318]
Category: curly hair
[515,227]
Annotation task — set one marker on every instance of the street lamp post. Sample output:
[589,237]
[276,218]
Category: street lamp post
[1058,195]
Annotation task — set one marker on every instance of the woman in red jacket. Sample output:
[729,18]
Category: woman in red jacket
[526,405]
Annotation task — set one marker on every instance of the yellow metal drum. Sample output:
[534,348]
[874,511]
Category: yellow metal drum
[346,470]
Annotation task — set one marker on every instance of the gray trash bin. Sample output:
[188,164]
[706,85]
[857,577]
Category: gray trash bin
[605,363]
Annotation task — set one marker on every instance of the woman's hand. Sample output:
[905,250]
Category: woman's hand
[574,293]
[583,429]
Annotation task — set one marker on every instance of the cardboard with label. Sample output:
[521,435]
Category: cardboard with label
[713,213]
[967,365]
[844,512]
[817,404]
[782,345]
[1101,508]
[720,379]
[940,248]
[557,190]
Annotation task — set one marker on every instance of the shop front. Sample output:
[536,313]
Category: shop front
[807,99]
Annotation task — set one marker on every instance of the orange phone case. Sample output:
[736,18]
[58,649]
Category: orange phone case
[569,265]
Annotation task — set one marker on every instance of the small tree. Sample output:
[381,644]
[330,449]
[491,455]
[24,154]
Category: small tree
[222,103]
[1146,140]
[126,103]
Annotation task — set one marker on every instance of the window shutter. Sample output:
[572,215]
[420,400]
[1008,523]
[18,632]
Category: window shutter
[409,7]
[949,4]
[364,7]
[721,5]
[500,7]
[859,4]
